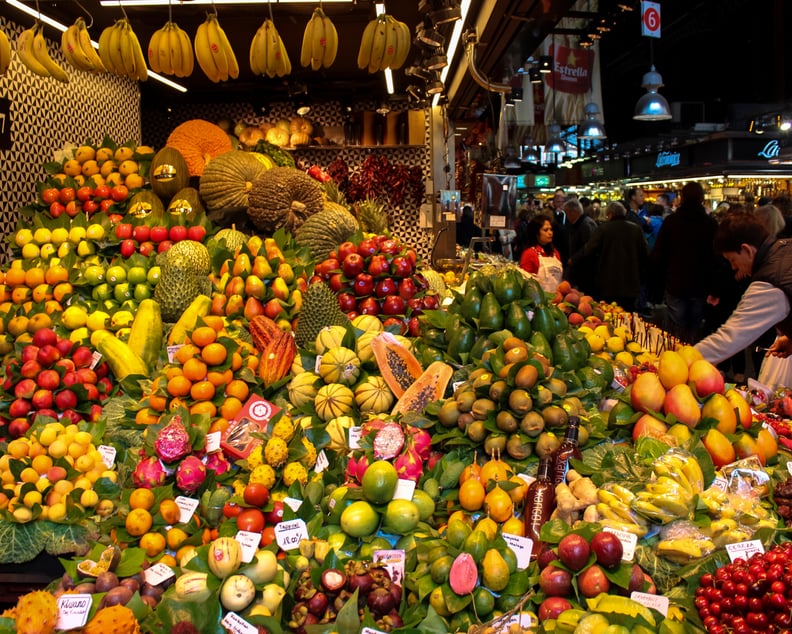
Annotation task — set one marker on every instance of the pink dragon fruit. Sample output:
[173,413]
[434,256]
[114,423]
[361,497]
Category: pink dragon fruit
[190,474]
[388,441]
[409,465]
[421,441]
[217,462]
[149,473]
[173,441]
[434,458]
[351,469]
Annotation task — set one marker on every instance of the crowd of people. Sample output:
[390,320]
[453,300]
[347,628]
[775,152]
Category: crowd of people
[705,276]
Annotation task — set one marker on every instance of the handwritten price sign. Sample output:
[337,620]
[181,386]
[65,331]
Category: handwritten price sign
[289,534]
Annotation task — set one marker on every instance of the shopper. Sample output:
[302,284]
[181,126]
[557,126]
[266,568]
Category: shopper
[540,257]
[560,229]
[664,201]
[633,201]
[767,263]
[683,261]
[617,253]
[467,228]
[784,204]
[521,231]
[581,227]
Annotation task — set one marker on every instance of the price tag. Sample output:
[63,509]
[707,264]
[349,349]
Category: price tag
[497,222]
[213,442]
[96,359]
[789,467]
[772,431]
[187,507]
[293,503]
[371,630]
[158,573]
[289,534]
[522,547]
[354,437]
[404,490]
[321,462]
[249,541]
[744,550]
[522,619]
[529,480]
[655,601]
[108,455]
[172,350]
[629,542]
[393,560]
[237,625]
[318,363]
[455,386]
[73,610]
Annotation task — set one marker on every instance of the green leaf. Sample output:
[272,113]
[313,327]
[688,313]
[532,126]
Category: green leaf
[432,624]
[204,616]
[20,543]
[650,448]
[131,562]
[348,619]
[65,538]
[620,576]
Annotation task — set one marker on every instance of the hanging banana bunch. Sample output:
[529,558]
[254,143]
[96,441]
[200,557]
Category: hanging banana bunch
[78,50]
[32,51]
[5,53]
[320,42]
[170,51]
[120,51]
[268,55]
[213,51]
[385,44]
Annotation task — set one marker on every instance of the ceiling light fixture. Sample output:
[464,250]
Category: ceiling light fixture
[62,27]
[555,144]
[652,106]
[188,3]
[535,75]
[545,64]
[453,42]
[592,126]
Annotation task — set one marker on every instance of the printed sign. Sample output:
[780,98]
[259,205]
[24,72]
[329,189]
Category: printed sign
[522,547]
[237,625]
[744,550]
[158,573]
[629,542]
[108,455]
[187,507]
[650,19]
[354,437]
[249,541]
[655,601]
[213,442]
[405,489]
[393,560]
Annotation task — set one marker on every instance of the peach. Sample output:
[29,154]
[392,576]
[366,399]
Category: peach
[648,425]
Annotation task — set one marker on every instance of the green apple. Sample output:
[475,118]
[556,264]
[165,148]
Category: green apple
[153,275]
[116,274]
[94,274]
[102,292]
[142,291]
[136,275]
[122,292]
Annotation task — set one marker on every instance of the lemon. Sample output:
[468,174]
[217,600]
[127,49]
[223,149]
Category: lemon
[47,251]
[596,343]
[95,232]
[85,248]
[22,237]
[42,235]
[615,344]
[74,317]
[625,358]
[76,234]
[59,235]
[97,320]
[30,251]
[121,319]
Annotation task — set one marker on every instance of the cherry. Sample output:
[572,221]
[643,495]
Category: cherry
[706,580]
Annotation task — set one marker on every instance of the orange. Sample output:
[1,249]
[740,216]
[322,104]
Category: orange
[15,277]
[134,181]
[158,403]
[230,407]
[72,167]
[214,353]
[195,370]
[218,424]
[471,495]
[204,407]
[41,293]
[108,167]
[146,416]
[186,352]
[183,551]
[168,560]
[238,389]
[203,336]
[62,291]
[138,522]
[56,274]
[253,362]
[173,370]
[128,167]
[152,543]
[89,168]
[202,391]
[175,538]
[123,153]
[170,511]
[34,276]
[141,498]
[214,321]
[179,386]
[219,379]
[236,361]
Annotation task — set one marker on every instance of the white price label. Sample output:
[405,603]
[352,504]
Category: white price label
[322,462]
[394,562]
[73,610]
[521,619]
[158,573]
[404,490]
[249,541]
[789,467]
[529,480]
[293,503]
[455,386]
[655,601]
[212,442]
[720,483]
[497,222]
[237,625]
[371,630]
[355,434]
[522,547]
[289,534]
[172,350]
[108,454]
[744,550]
[187,507]
[96,359]
[318,363]
[629,542]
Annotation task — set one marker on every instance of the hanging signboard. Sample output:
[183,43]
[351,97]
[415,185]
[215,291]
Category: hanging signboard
[650,19]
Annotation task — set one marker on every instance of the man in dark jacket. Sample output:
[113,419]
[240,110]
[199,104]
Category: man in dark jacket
[581,227]
[683,262]
[617,252]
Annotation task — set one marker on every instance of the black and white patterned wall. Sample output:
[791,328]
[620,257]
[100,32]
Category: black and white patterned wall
[46,115]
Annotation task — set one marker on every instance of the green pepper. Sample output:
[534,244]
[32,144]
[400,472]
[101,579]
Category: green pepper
[471,304]
[541,345]
[490,315]
[517,321]
[544,322]
[507,287]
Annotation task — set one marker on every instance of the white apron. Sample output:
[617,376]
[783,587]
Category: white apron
[550,273]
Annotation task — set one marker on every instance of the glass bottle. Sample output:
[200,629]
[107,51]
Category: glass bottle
[539,504]
[568,449]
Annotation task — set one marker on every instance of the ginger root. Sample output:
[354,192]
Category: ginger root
[585,491]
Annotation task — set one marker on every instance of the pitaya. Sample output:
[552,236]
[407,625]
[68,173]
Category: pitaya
[173,441]
[149,473]
[434,458]
[421,441]
[409,465]
[217,462]
[190,474]
[356,467]
[388,441]
[351,468]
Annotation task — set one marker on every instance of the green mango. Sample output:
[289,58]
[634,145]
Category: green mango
[490,315]
[461,342]
[517,321]
[532,291]
[507,287]
[563,356]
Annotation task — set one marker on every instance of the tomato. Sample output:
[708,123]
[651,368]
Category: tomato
[102,191]
[231,509]
[66,195]
[84,193]
[119,193]
[106,204]
[256,494]
[50,195]
[251,520]
[267,536]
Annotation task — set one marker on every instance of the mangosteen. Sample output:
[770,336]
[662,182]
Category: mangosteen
[318,604]
[119,595]
[67,581]
[149,601]
[131,583]
[380,601]
[86,587]
[147,590]
[361,582]
[333,580]
[396,590]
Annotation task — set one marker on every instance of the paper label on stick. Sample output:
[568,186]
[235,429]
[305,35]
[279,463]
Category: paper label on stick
[522,547]
[213,442]
[158,573]
[249,542]
[629,542]
[655,601]
[73,610]
[237,625]
[187,507]
[108,454]
[289,534]
[355,434]
[744,550]
[404,490]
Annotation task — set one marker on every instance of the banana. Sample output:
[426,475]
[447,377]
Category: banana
[164,51]
[72,50]
[635,529]
[25,52]
[127,54]
[307,42]
[622,492]
[378,46]
[188,61]
[114,50]
[153,50]
[284,56]
[672,505]
[174,50]
[141,70]
[203,53]
[331,44]
[43,56]
[278,63]
[258,52]
[216,48]
[318,40]
[233,65]
[104,48]
[653,512]
[391,43]
[87,48]
[5,53]
[271,48]
[364,53]
[405,41]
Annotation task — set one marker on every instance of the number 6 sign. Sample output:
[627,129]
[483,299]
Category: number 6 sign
[650,19]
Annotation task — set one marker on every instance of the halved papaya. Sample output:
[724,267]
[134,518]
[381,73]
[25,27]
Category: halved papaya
[427,388]
[396,363]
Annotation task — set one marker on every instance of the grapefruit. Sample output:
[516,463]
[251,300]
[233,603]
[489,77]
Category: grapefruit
[359,519]
[379,482]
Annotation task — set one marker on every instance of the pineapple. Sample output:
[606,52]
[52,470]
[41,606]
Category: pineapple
[372,216]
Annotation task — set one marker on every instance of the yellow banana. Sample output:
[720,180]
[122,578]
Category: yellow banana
[271,39]
[635,529]
[284,56]
[153,51]
[174,50]
[378,46]
[25,52]
[104,48]
[5,53]
[405,41]
[203,53]
[87,48]
[653,512]
[127,54]
[43,56]
[672,505]
[307,42]
[258,52]
[331,44]
[141,70]
[364,53]
[188,61]
[67,48]
[233,66]
[622,492]
[216,48]
[114,49]
[391,43]
[318,40]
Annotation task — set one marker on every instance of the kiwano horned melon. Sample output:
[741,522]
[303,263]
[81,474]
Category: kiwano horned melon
[429,387]
[396,363]
[36,613]
[117,619]
[283,197]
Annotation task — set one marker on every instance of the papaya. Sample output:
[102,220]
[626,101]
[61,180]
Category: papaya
[463,575]
[427,388]
[398,366]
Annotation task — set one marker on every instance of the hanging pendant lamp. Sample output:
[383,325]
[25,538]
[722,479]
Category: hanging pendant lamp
[652,106]
[591,126]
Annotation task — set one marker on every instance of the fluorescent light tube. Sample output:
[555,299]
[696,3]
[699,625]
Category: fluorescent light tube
[456,35]
[164,3]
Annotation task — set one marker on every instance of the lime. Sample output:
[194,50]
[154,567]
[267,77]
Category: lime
[359,519]
[153,275]
[425,504]
[379,482]
[94,274]
[136,275]
[102,292]
[401,517]
[116,274]
[122,292]
[483,602]
[142,291]
[440,568]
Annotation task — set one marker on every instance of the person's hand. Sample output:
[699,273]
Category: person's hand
[782,347]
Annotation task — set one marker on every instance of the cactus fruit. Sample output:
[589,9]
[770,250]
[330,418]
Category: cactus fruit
[36,613]
[118,619]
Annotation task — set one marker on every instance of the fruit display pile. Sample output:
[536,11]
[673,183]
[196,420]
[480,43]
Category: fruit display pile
[303,429]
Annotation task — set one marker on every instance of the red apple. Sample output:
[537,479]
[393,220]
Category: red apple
[407,288]
[555,581]
[393,305]
[87,375]
[345,248]
[29,353]
[347,302]
[18,407]
[141,233]
[431,302]
[389,246]
[146,248]
[414,327]
[385,287]
[30,369]
[70,416]
[336,282]
[64,346]
[45,337]
[368,306]
[42,399]
[158,234]
[592,581]
[196,233]
[574,551]
[551,607]
[164,246]
[48,413]
[82,357]
[70,378]
[367,247]
[402,267]
[352,265]
[92,392]
[608,549]
[378,265]
[275,515]
[66,364]
[363,285]
[177,233]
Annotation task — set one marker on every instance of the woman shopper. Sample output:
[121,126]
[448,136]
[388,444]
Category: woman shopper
[540,257]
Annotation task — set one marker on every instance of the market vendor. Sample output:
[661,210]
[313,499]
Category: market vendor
[540,257]
[752,253]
